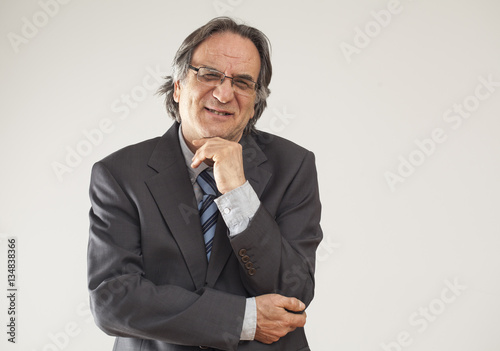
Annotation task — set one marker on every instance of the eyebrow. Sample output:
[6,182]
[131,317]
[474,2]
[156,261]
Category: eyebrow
[244,75]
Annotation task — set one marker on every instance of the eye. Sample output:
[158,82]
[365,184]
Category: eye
[212,76]
[209,76]
[242,83]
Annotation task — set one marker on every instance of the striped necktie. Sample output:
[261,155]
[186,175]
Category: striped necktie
[208,209]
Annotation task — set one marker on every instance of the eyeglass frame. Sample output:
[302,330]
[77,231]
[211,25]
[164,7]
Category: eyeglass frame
[197,69]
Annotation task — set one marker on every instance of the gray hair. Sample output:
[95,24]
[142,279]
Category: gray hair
[182,60]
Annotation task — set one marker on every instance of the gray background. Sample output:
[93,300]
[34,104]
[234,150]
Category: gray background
[391,250]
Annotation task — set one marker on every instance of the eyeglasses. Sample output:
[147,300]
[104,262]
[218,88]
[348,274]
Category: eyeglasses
[212,77]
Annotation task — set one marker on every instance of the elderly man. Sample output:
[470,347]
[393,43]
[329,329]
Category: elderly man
[206,237]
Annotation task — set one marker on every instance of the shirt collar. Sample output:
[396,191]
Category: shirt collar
[188,158]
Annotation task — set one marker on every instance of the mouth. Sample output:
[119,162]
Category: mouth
[218,112]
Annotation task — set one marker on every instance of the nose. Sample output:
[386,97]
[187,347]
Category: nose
[224,92]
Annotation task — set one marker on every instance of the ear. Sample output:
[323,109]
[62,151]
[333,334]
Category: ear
[177,91]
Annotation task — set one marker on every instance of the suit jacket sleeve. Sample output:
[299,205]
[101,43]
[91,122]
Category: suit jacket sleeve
[124,303]
[281,239]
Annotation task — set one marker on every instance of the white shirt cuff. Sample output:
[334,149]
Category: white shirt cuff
[238,207]
[250,320]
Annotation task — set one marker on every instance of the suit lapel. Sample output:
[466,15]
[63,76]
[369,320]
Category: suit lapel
[253,158]
[174,196]
[221,250]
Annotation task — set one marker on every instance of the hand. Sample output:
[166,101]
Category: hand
[273,319]
[227,159]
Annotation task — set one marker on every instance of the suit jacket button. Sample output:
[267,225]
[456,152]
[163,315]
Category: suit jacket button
[249,265]
[242,252]
[251,271]
[245,258]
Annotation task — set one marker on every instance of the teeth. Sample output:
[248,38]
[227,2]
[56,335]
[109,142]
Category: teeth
[219,113]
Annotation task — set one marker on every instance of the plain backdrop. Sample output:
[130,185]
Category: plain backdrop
[399,101]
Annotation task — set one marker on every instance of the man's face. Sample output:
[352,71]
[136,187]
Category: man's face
[218,111]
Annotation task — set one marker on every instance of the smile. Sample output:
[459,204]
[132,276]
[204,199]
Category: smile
[219,113]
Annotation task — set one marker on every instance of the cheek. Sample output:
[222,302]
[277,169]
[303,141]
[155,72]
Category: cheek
[198,97]
[250,109]
[189,94]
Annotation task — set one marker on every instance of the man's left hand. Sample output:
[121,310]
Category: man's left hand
[226,157]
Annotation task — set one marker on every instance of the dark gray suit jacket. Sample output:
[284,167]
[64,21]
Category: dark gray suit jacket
[149,280]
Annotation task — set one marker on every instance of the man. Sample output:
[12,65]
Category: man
[163,278]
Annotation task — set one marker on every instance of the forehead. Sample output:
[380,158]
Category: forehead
[229,53]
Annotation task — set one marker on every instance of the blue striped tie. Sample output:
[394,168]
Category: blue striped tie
[208,209]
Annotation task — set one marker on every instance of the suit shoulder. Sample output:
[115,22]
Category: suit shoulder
[131,154]
[275,146]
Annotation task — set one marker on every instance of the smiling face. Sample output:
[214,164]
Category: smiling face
[208,111]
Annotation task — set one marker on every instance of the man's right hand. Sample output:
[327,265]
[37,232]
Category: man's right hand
[273,319]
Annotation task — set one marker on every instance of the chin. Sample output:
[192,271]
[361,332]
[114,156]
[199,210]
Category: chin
[214,131]
[211,134]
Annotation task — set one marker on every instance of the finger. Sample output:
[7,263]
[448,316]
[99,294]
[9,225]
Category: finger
[200,155]
[209,162]
[293,304]
[296,321]
[203,141]
[200,142]
[196,161]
